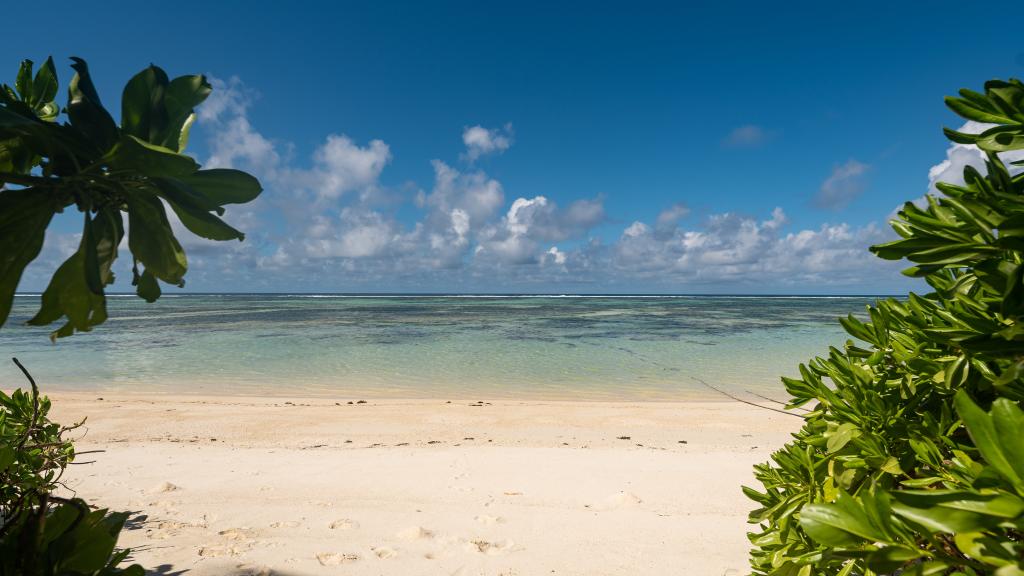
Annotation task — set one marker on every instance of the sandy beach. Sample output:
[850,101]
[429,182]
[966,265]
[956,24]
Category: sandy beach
[230,485]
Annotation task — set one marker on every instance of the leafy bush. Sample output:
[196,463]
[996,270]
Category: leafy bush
[41,533]
[103,170]
[897,470]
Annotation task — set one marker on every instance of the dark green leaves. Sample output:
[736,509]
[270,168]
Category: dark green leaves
[194,211]
[151,240]
[76,289]
[143,113]
[24,216]
[104,170]
[181,97]
[224,186]
[86,112]
[131,153]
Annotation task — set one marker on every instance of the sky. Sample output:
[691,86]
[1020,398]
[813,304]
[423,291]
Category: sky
[550,147]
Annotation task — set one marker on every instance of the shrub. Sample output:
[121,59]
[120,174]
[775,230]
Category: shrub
[897,470]
[41,533]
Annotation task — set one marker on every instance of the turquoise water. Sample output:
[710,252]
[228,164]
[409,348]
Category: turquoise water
[640,348]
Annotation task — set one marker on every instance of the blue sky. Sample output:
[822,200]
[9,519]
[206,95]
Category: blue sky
[517,146]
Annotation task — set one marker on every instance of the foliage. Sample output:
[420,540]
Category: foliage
[897,470]
[104,170]
[41,533]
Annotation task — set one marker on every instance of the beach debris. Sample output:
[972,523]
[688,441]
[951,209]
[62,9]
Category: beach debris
[434,442]
[513,493]
[623,438]
[683,442]
[360,401]
[468,438]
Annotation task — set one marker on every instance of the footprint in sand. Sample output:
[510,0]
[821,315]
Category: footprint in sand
[252,570]
[335,559]
[237,533]
[622,500]
[415,533]
[286,524]
[489,548]
[344,524]
[218,551]
[489,520]
[163,487]
[384,552]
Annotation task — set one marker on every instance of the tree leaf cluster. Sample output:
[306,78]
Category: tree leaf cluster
[54,158]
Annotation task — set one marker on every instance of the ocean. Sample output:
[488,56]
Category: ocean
[459,347]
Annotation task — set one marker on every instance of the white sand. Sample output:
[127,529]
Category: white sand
[258,486]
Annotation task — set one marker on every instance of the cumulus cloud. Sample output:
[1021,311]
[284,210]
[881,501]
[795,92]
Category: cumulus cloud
[516,239]
[746,136]
[482,141]
[843,186]
[668,219]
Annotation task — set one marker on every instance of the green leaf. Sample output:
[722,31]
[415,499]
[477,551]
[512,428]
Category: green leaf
[971,111]
[24,216]
[222,186]
[44,87]
[193,215]
[151,239]
[182,96]
[69,295]
[143,113]
[841,436]
[147,287]
[1009,427]
[1002,139]
[131,154]
[86,112]
[980,546]
[105,231]
[23,83]
[842,523]
[983,431]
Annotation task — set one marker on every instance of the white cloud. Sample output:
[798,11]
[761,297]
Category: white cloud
[482,141]
[842,186]
[668,219]
[746,136]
